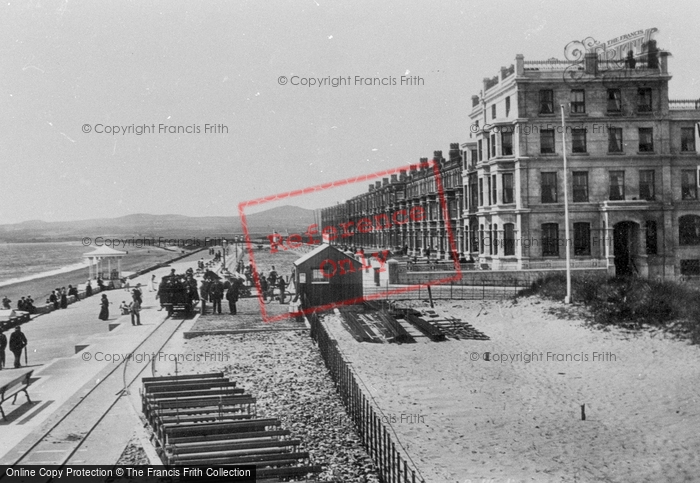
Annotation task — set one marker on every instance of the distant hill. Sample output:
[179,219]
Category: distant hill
[281,219]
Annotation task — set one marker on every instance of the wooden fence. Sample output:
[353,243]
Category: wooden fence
[377,440]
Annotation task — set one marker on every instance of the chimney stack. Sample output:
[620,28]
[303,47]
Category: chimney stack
[394,179]
[385,181]
[591,63]
[454,151]
[371,187]
[377,184]
[402,175]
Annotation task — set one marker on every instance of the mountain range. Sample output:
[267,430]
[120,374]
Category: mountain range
[281,219]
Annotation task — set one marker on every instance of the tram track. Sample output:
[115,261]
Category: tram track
[58,445]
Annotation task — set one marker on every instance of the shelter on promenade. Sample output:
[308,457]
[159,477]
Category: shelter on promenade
[105,262]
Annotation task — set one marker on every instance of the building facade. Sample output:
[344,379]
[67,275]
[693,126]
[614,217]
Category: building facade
[406,212]
[632,177]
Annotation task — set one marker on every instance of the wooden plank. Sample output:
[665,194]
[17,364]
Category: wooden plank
[251,435]
[196,448]
[185,377]
[432,332]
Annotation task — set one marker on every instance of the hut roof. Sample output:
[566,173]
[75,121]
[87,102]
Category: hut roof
[320,249]
[104,251]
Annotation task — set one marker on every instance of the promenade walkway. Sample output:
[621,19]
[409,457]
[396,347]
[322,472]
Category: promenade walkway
[61,374]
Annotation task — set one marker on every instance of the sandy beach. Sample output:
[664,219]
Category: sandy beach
[465,419]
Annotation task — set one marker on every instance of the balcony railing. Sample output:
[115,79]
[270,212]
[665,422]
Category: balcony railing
[684,104]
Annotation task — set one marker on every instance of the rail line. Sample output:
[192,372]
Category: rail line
[76,415]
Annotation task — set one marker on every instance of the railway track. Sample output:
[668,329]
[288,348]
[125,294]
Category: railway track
[59,443]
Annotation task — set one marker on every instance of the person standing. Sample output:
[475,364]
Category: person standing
[53,299]
[232,296]
[73,292]
[88,289]
[154,284]
[137,294]
[18,341]
[3,344]
[263,286]
[281,285]
[64,298]
[204,290]
[217,293]
[104,311]
[135,310]
[21,304]
[6,303]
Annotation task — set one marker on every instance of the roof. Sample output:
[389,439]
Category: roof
[318,250]
[104,251]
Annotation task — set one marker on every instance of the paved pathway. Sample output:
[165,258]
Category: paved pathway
[56,334]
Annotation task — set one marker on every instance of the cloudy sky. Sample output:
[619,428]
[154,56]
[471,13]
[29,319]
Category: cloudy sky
[67,64]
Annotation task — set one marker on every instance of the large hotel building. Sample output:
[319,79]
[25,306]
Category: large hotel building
[632,179]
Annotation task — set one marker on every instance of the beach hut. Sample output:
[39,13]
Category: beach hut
[326,275]
[105,262]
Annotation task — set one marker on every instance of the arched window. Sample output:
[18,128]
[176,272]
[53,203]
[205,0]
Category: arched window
[689,230]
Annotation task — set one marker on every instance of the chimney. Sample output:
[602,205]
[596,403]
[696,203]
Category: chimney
[504,73]
[423,163]
[377,184]
[394,179]
[371,187]
[454,151]
[402,175]
[385,181]
[663,61]
[591,63]
[475,101]
[486,83]
[414,169]
[519,65]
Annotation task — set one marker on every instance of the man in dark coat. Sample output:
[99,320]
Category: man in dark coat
[204,294]
[232,296]
[18,341]
[217,293]
[88,289]
[53,298]
[3,344]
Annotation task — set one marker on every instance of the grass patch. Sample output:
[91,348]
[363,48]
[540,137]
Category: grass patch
[632,303]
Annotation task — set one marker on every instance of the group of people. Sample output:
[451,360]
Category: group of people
[133,308]
[213,290]
[26,304]
[17,343]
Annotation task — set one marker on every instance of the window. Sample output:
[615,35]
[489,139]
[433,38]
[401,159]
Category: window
[549,187]
[317,276]
[614,100]
[651,237]
[582,239]
[578,101]
[494,192]
[614,139]
[507,143]
[688,139]
[580,186]
[550,240]
[690,267]
[508,188]
[475,156]
[689,230]
[481,238]
[473,192]
[617,185]
[547,141]
[644,99]
[488,190]
[646,184]
[480,150]
[546,102]
[481,191]
[646,140]
[488,147]
[578,140]
[507,106]
[689,185]
[493,111]
[509,239]
[493,145]
[474,232]
[494,239]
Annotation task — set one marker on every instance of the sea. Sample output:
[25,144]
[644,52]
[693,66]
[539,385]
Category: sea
[20,262]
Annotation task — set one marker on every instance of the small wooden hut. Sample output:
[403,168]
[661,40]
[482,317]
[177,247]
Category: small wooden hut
[327,275]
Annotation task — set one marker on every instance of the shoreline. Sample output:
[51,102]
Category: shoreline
[40,287]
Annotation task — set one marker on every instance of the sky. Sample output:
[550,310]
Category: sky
[72,70]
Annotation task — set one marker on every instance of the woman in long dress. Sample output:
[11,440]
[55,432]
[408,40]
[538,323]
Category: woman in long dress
[104,311]
[64,298]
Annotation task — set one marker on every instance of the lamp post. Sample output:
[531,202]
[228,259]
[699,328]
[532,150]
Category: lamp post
[224,244]
[567,299]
